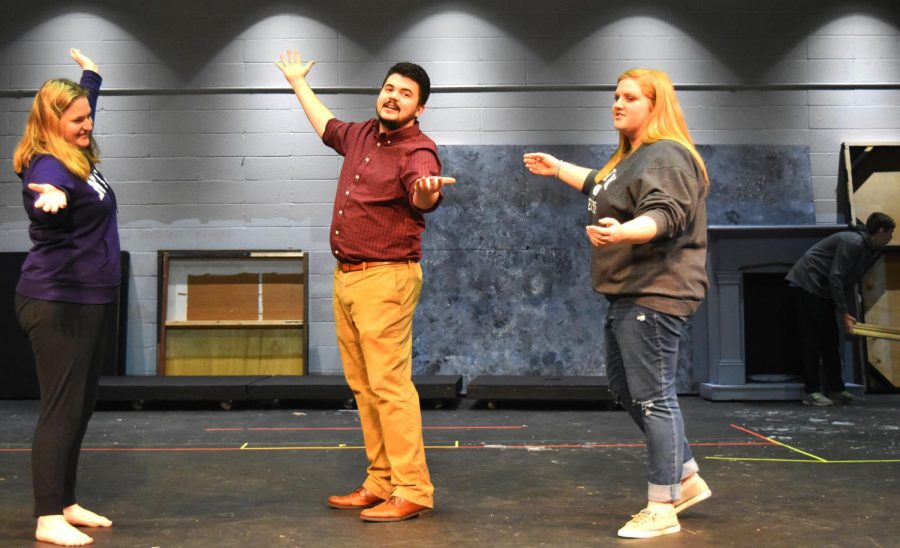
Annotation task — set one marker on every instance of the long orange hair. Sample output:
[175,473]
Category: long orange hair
[666,119]
[42,130]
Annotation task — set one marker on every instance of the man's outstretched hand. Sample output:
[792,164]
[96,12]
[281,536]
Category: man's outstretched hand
[433,184]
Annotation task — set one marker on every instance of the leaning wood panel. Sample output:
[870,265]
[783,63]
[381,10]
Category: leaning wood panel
[879,193]
[881,299]
[244,351]
[216,297]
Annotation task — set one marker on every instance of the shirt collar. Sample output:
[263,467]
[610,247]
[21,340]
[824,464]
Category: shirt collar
[397,136]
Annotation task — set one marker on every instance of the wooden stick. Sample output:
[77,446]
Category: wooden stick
[877,331]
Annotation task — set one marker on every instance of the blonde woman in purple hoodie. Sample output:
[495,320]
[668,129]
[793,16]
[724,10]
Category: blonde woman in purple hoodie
[66,295]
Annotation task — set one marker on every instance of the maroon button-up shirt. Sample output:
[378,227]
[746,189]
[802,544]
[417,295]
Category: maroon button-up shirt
[374,218]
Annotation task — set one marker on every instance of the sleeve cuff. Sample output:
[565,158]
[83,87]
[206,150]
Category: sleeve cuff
[329,130]
[660,220]
[589,182]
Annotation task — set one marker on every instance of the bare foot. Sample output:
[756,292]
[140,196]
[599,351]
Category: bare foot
[56,530]
[76,515]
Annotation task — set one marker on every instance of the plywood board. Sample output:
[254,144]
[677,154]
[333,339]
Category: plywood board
[282,296]
[223,297]
[226,351]
[881,300]
[876,331]
[880,192]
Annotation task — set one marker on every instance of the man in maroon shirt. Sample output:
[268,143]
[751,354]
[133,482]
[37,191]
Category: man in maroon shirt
[389,180]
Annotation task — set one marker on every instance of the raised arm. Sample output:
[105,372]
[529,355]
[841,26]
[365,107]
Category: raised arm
[295,72]
[540,163]
[84,61]
[90,78]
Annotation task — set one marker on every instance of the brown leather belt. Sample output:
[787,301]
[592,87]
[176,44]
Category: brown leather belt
[353,267]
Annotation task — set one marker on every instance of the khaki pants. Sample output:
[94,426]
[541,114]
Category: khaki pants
[373,314]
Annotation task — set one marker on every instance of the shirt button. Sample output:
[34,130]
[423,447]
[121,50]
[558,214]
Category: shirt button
[347,193]
[378,144]
[336,232]
[367,159]
[356,177]
[341,212]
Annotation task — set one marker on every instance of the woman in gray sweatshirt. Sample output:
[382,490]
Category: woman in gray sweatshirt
[647,208]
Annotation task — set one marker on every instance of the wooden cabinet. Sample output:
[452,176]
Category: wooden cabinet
[232,313]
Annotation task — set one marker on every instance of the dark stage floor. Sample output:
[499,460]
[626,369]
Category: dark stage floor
[782,475]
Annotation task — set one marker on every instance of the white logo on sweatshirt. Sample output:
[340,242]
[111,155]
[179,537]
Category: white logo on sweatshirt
[606,180]
[592,203]
[98,183]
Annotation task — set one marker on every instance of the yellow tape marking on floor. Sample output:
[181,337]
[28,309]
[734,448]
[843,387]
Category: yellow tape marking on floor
[810,455]
[816,459]
[804,461]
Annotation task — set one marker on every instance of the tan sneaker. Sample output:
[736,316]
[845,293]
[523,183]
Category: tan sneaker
[816,399]
[648,523]
[693,490]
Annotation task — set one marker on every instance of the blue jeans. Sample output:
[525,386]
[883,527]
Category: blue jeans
[641,359]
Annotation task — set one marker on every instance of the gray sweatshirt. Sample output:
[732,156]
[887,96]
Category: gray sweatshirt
[833,265]
[668,274]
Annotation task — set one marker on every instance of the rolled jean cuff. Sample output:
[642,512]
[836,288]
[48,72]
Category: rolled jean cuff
[663,493]
[688,469]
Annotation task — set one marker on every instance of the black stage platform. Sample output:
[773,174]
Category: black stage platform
[496,388]
[316,388]
[538,475]
[434,389]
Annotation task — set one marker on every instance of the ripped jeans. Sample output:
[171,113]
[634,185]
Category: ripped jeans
[641,359]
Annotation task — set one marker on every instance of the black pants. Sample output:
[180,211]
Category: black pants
[69,346]
[819,342]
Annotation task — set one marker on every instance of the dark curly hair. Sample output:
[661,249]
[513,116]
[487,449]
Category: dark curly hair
[415,73]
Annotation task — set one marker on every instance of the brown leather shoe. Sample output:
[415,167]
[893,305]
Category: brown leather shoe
[357,500]
[395,509]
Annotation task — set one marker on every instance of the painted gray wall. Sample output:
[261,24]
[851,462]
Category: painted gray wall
[244,170]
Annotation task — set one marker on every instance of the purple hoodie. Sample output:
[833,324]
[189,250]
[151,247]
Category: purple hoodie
[75,257]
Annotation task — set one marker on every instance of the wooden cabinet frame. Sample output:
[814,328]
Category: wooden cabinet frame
[229,332]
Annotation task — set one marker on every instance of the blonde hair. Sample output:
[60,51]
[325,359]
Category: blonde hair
[42,130]
[666,119]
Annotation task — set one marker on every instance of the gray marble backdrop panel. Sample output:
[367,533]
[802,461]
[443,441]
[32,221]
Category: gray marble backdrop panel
[508,312]
[506,262]
[759,185]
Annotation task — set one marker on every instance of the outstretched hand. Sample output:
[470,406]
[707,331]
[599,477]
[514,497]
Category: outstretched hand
[427,190]
[50,199]
[292,66]
[83,60]
[432,184]
[540,163]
